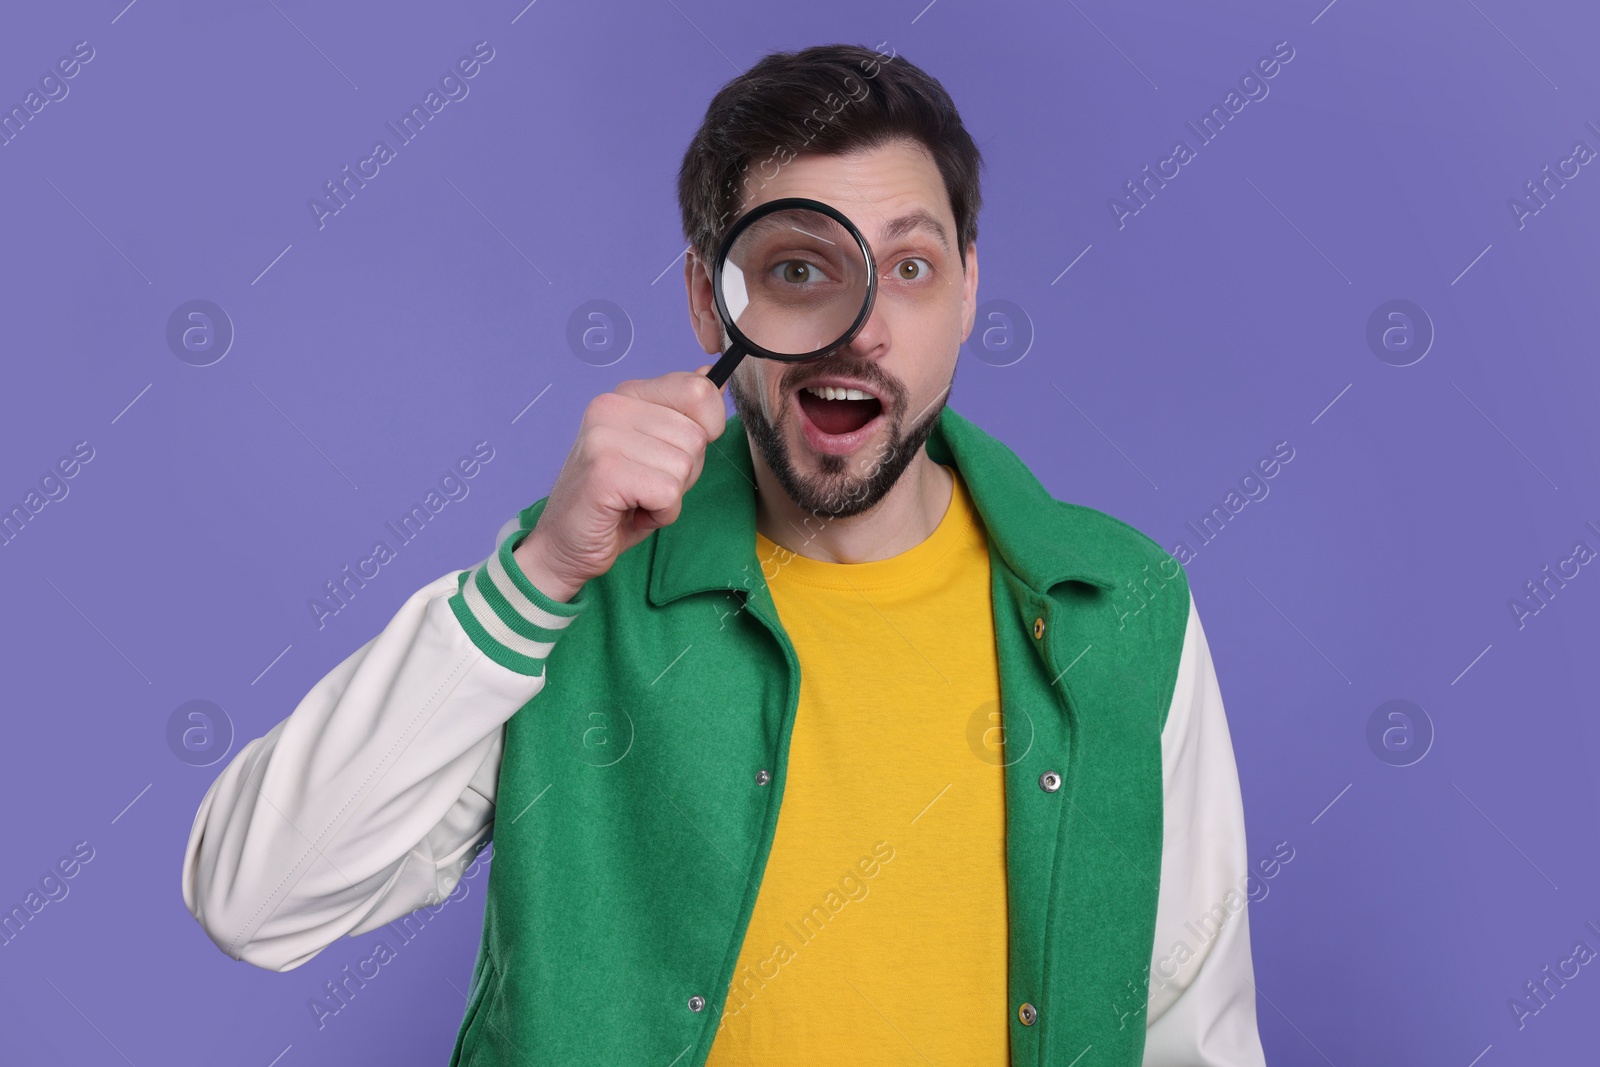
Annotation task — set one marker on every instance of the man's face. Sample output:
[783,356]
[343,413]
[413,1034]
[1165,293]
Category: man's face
[839,457]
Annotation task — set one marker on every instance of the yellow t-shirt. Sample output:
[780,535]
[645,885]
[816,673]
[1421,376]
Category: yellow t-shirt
[879,933]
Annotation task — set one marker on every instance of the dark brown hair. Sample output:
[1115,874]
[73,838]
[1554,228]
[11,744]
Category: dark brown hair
[826,99]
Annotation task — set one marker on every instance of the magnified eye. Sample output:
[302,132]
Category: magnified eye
[910,270]
[799,272]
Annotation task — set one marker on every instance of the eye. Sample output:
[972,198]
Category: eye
[910,270]
[799,272]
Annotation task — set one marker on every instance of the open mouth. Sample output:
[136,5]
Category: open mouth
[836,410]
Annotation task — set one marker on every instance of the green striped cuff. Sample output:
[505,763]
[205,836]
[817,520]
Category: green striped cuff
[507,616]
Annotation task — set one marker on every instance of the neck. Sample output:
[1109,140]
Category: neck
[908,513]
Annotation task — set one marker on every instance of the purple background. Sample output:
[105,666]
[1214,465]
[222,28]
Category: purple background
[1226,316]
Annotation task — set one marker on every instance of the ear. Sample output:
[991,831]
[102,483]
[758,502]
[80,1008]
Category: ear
[969,291]
[702,308]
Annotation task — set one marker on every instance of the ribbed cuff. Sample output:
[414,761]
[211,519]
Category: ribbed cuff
[507,616]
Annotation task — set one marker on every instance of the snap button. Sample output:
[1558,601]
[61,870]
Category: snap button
[762,777]
[1050,781]
[697,1002]
[1038,628]
[1027,1013]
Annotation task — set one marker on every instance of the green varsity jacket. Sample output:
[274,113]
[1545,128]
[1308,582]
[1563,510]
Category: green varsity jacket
[619,896]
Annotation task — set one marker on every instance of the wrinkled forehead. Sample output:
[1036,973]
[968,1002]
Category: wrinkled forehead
[891,192]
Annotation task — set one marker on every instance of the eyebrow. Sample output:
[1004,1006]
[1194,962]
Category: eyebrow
[920,219]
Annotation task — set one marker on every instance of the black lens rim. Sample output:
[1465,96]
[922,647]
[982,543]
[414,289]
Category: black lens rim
[760,212]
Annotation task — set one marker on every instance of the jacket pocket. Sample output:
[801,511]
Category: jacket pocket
[480,999]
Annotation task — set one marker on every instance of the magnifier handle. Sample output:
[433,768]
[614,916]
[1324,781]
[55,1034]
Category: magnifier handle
[723,370]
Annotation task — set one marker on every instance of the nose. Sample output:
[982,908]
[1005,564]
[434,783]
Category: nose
[872,340]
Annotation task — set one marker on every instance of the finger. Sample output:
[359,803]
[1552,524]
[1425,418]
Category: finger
[694,395]
[660,497]
[652,455]
[632,414]
[710,409]
[652,520]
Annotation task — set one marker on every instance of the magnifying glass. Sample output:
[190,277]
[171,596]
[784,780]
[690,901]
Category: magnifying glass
[793,281]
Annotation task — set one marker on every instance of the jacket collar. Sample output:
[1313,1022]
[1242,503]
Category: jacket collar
[711,546]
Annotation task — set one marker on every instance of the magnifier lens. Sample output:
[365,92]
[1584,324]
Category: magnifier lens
[795,281]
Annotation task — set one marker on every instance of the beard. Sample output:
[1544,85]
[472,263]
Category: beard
[845,485]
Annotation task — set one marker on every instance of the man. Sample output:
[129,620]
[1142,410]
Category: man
[816,733]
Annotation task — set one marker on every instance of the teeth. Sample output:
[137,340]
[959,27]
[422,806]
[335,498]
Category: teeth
[834,392]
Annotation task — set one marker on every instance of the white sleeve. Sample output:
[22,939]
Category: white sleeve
[1202,1002]
[369,799]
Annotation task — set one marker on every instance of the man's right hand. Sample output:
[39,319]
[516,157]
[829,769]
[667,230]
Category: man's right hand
[638,450]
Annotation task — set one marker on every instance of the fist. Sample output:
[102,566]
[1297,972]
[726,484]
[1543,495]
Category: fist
[638,450]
